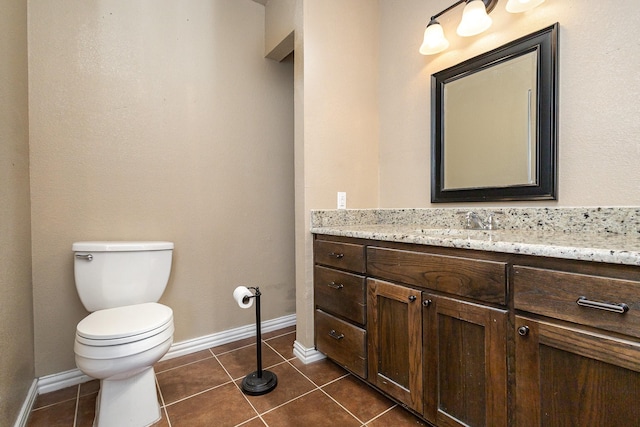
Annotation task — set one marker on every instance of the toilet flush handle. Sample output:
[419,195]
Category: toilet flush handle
[88,257]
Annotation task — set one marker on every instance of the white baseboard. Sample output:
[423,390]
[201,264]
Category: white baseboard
[73,377]
[61,380]
[224,337]
[305,354]
[23,416]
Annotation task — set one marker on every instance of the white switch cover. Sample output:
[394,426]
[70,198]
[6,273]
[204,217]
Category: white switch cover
[342,200]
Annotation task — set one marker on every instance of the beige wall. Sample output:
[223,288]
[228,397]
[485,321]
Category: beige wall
[16,309]
[280,18]
[160,120]
[599,131]
[354,110]
[141,128]
[336,123]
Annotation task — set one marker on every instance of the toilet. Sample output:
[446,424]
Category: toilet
[128,330]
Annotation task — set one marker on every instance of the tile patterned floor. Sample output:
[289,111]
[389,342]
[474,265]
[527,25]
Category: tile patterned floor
[203,389]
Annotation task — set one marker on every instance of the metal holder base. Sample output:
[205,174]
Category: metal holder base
[260,381]
[254,385]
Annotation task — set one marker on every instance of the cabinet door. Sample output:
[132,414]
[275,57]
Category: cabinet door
[566,376]
[394,328]
[465,355]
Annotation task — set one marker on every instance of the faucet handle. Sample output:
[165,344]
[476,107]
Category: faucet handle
[491,220]
[471,218]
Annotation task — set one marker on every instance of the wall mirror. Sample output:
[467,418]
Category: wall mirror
[494,124]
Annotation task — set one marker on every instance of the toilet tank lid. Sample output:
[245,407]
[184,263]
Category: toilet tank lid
[112,246]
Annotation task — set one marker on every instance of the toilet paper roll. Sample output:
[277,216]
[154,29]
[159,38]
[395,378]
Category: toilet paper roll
[240,293]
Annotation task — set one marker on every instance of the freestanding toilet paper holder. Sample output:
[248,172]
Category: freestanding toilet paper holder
[261,381]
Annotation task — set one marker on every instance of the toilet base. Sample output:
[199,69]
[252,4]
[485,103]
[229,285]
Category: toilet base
[129,402]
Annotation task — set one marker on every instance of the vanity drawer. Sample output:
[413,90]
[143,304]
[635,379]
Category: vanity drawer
[346,256]
[342,342]
[340,293]
[556,294]
[479,279]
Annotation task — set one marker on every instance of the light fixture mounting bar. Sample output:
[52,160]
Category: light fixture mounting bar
[488,4]
[447,9]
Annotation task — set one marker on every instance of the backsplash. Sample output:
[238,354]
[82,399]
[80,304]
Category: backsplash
[616,220]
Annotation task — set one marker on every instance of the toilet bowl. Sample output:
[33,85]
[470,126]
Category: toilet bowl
[119,347]
[118,344]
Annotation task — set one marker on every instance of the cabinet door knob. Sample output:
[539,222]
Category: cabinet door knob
[412,298]
[523,331]
[426,303]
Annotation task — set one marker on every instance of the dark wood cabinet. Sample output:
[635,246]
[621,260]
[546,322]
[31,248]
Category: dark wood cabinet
[340,302]
[465,363]
[394,325]
[342,341]
[577,353]
[472,338]
[567,376]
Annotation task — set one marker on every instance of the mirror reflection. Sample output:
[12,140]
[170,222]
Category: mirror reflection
[489,126]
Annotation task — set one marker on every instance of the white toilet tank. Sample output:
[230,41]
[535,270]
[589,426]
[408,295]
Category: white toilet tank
[115,274]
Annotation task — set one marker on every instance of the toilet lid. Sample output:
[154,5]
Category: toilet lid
[120,325]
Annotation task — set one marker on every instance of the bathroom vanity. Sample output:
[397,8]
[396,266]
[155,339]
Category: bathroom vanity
[475,327]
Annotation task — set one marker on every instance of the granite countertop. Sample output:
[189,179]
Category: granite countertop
[616,244]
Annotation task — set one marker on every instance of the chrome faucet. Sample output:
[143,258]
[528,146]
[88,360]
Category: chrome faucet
[474,222]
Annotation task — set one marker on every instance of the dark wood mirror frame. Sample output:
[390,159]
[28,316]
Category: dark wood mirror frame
[545,42]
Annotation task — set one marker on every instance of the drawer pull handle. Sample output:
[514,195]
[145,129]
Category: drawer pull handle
[333,334]
[335,285]
[608,306]
[335,255]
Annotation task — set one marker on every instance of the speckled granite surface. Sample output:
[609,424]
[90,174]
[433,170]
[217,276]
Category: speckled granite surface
[591,234]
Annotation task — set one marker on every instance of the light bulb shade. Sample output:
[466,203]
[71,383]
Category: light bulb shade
[434,39]
[474,19]
[517,6]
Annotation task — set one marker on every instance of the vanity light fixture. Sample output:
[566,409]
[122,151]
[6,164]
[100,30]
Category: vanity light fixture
[434,39]
[475,20]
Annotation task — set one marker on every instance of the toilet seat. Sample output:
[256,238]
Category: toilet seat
[122,325]
[123,331]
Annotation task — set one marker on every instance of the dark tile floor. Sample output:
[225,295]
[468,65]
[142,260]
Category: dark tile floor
[203,389]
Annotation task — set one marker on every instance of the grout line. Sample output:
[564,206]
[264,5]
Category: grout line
[342,406]
[53,404]
[243,395]
[284,361]
[280,336]
[164,406]
[186,364]
[196,394]
[382,413]
[75,414]
[289,401]
[312,382]
[257,417]
[232,350]
[276,351]
[321,388]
